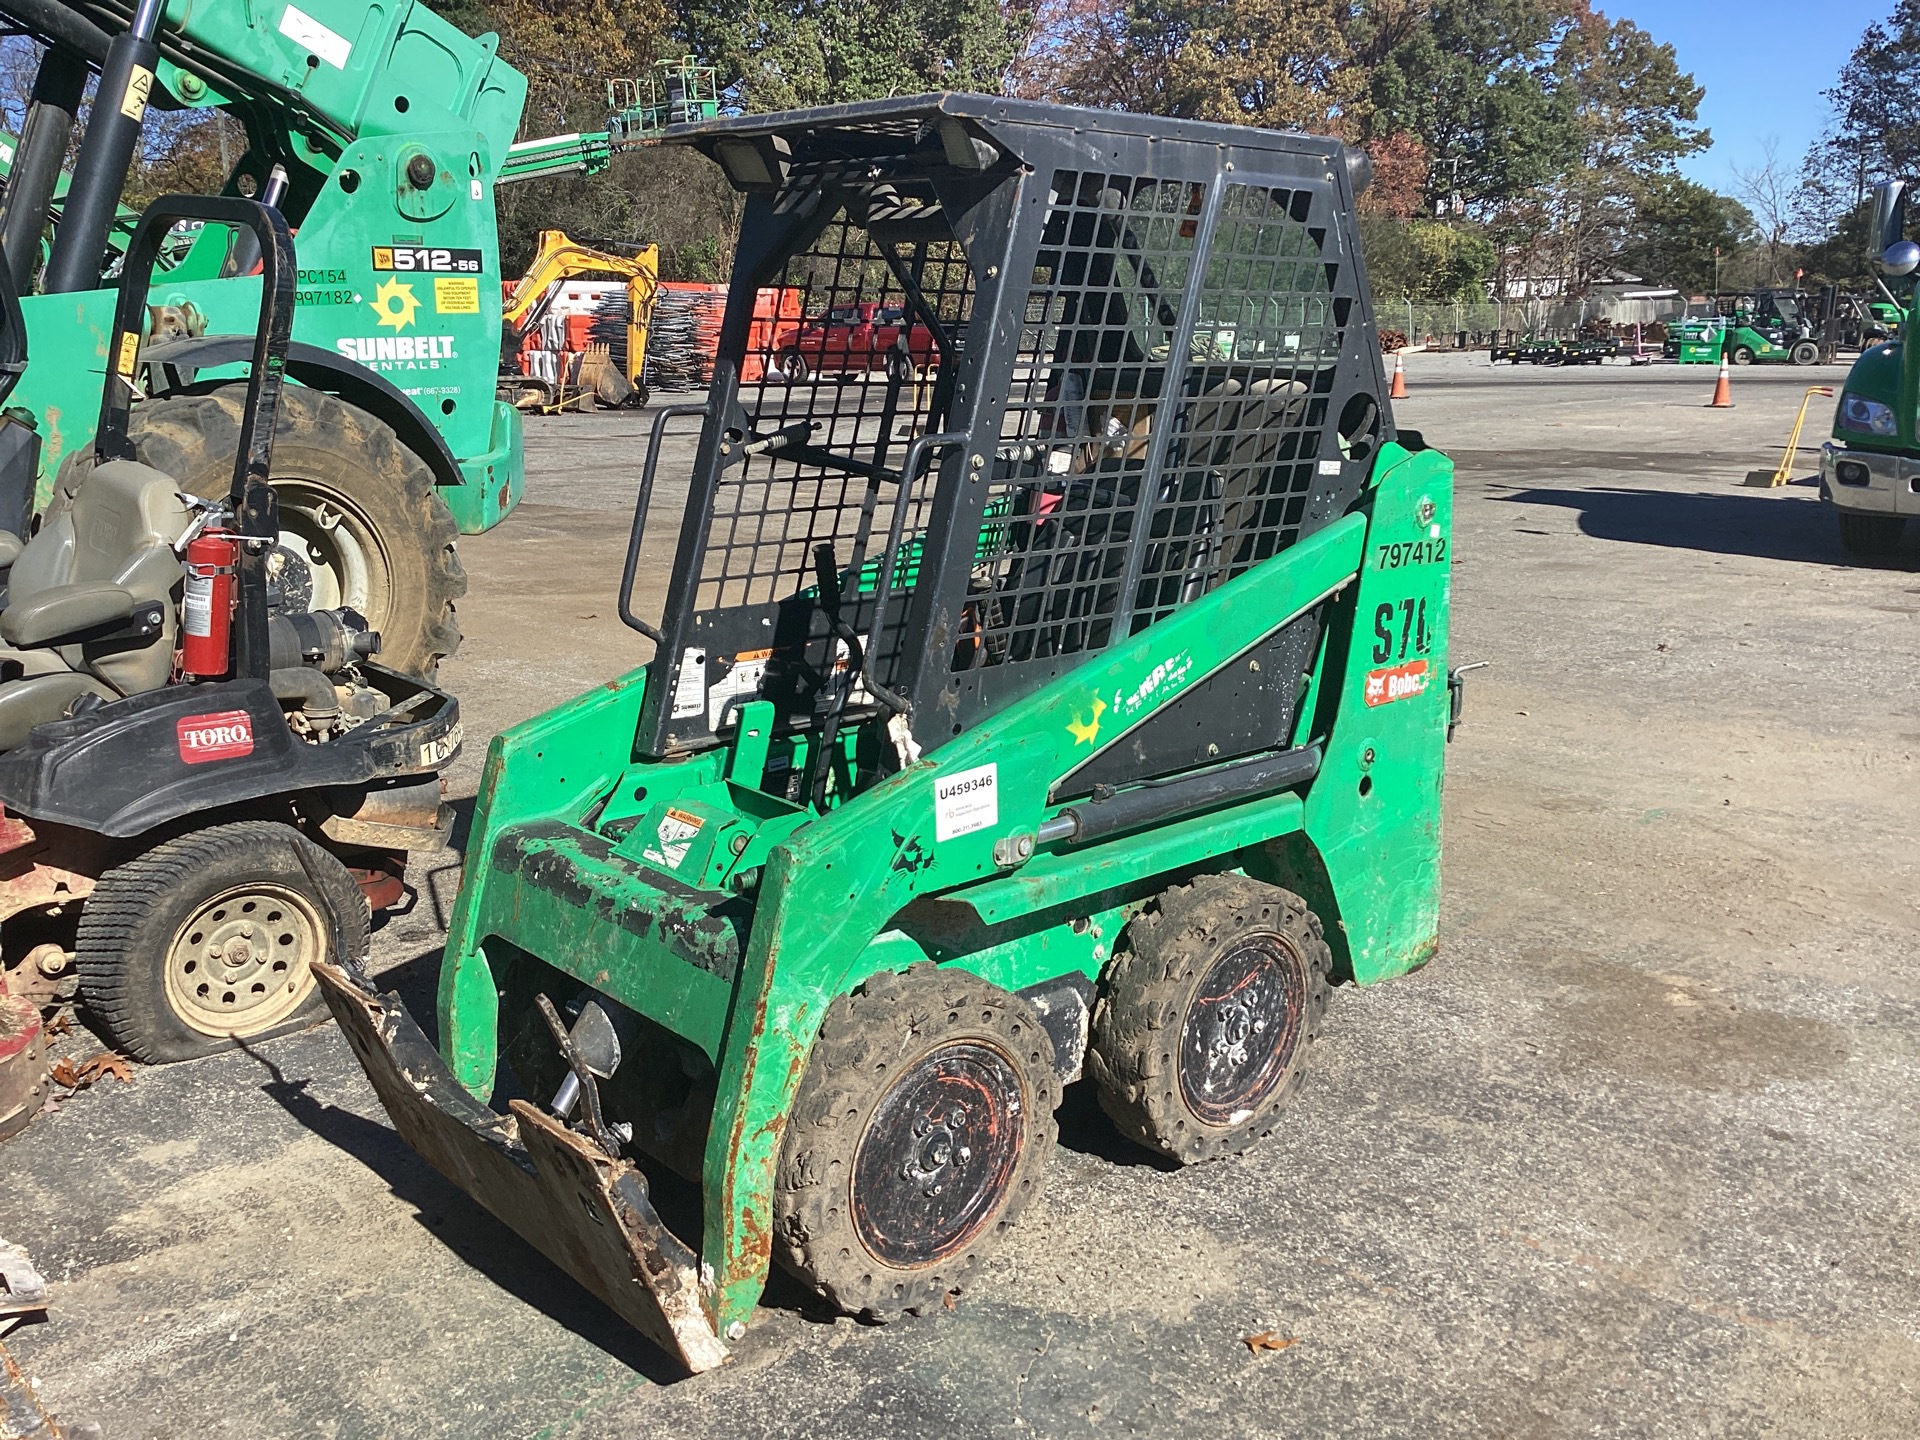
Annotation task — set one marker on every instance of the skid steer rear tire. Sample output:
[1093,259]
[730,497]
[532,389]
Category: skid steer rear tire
[1206,1014]
[919,1133]
[329,459]
[210,938]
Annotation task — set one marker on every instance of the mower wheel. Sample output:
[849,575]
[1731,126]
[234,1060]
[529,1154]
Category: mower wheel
[1870,534]
[1741,355]
[1205,1016]
[920,1131]
[1804,352]
[210,938]
[360,522]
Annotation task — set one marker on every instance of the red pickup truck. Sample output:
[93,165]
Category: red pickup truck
[853,339]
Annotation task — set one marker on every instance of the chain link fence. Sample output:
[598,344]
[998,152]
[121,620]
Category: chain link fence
[1464,324]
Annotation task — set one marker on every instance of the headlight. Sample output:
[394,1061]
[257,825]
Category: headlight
[1869,417]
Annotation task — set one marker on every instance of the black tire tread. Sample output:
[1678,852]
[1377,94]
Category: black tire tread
[892,1017]
[117,957]
[1142,996]
[1870,534]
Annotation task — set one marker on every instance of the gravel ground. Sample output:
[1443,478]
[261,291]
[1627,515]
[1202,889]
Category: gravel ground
[1636,1156]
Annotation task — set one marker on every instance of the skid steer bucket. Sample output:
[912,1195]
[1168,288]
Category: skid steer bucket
[588,1213]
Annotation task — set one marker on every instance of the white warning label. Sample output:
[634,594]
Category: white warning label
[690,685]
[966,801]
[672,837]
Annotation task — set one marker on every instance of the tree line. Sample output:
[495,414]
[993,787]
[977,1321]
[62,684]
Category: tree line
[1517,144]
[1872,134]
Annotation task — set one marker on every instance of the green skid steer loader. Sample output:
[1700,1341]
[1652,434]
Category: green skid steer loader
[1078,708]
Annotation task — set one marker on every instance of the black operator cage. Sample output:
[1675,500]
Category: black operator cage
[1000,384]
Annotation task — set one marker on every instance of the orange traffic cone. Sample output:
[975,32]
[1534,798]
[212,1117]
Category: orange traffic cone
[1722,388]
[1399,390]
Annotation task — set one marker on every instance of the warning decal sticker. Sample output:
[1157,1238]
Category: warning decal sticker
[673,837]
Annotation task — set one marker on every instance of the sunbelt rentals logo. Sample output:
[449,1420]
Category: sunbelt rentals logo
[396,307]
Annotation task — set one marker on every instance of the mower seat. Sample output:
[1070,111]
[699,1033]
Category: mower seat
[62,612]
[111,550]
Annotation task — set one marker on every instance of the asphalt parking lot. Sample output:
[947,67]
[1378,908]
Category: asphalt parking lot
[1637,1155]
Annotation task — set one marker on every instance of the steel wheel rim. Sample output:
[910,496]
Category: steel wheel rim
[1242,1029]
[935,1162]
[340,546]
[243,961]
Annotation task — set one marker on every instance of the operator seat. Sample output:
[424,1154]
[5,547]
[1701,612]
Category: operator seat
[75,590]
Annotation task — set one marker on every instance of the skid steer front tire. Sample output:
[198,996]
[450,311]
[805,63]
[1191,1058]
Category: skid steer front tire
[1206,1014]
[210,938]
[357,508]
[919,1133]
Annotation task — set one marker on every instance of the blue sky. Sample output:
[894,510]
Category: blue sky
[1764,63]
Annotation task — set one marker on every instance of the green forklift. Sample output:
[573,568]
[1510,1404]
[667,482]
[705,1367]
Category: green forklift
[1076,711]
[1750,327]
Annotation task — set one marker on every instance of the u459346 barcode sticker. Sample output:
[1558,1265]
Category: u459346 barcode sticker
[966,801]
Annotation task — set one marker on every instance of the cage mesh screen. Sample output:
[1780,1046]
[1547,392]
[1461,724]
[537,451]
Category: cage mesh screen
[839,344]
[1246,437]
[1088,385]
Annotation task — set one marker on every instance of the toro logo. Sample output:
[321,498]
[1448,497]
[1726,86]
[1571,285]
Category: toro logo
[223,735]
[1398,682]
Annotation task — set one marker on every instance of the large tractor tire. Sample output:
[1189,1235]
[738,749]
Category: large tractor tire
[1206,1015]
[360,522]
[210,939]
[922,1126]
[1863,534]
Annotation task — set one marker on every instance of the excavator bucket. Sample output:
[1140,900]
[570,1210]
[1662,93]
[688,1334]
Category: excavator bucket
[584,1210]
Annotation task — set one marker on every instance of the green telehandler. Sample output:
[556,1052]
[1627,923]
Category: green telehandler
[380,132]
[1077,708]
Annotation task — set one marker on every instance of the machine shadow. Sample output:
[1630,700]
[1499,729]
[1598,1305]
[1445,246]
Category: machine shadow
[1761,524]
[464,1227]
[1086,1130]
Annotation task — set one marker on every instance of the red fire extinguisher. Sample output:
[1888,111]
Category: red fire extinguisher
[206,644]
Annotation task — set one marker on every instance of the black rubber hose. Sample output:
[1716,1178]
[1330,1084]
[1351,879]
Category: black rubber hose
[60,24]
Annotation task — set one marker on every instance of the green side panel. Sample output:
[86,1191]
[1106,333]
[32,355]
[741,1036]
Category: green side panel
[836,883]
[1373,814]
[495,480]
[549,767]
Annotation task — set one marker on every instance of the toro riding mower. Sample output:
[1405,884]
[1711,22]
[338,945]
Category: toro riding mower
[1076,710]
[212,776]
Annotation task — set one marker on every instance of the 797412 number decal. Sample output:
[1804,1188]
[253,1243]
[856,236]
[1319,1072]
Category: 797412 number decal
[1401,553]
